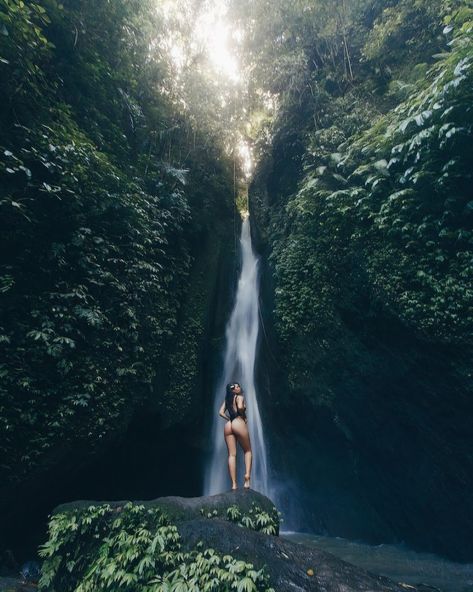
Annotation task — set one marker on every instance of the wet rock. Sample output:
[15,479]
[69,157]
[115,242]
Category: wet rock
[10,584]
[20,580]
[291,566]
[187,508]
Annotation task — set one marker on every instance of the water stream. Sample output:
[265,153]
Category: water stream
[398,562]
[241,342]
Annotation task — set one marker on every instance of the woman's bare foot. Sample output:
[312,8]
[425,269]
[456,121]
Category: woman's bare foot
[234,486]
[247,481]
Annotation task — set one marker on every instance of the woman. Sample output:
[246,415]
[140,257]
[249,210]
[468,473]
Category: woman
[236,429]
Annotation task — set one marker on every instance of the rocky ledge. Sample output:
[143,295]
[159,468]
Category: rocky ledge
[222,542]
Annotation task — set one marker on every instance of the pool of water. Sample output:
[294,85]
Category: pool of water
[397,562]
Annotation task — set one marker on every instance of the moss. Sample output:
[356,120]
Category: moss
[101,235]
[185,359]
[381,215]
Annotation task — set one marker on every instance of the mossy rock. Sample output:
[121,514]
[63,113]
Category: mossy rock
[133,546]
[179,509]
[185,544]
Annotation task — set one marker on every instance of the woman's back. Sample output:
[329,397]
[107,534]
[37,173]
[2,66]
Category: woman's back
[231,405]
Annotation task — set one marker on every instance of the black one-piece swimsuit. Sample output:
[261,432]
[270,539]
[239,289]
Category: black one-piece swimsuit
[232,413]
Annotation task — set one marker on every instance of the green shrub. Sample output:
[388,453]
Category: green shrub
[256,518]
[130,549]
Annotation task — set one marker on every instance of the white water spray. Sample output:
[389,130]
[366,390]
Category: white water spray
[240,354]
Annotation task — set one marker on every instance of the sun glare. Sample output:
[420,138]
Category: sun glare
[246,158]
[210,32]
[214,33]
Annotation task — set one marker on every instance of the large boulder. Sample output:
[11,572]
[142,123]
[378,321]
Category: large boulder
[292,566]
[181,509]
[227,524]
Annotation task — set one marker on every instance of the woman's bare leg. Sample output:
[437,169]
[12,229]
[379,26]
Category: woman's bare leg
[240,429]
[231,446]
[248,459]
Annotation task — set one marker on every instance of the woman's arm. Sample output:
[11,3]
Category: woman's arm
[221,411]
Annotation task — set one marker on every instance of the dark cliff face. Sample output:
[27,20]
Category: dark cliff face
[159,448]
[114,247]
[369,431]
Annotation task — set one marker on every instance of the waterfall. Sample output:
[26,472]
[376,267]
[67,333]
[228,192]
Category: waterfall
[241,340]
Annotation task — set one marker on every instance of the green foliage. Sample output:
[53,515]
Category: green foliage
[377,205]
[286,43]
[400,195]
[256,518]
[92,288]
[405,32]
[406,39]
[107,197]
[24,49]
[130,548]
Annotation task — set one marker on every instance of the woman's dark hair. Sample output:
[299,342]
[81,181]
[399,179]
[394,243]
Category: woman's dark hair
[231,386]
[229,393]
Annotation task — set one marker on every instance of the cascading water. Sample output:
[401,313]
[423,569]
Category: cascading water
[239,364]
